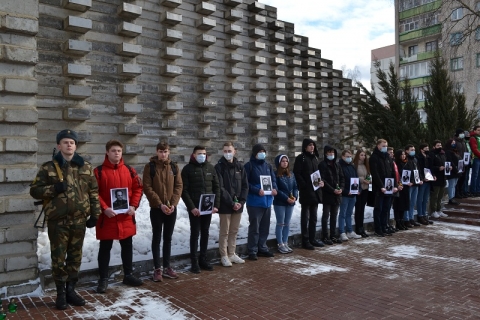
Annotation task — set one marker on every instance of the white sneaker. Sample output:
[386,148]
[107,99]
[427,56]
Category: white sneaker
[443,215]
[436,215]
[343,237]
[353,235]
[236,259]
[288,248]
[226,262]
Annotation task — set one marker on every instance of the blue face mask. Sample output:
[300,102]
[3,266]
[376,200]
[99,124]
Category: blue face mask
[384,149]
[454,145]
[412,153]
[348,159]
[261,155]
[201,158]
[330,157]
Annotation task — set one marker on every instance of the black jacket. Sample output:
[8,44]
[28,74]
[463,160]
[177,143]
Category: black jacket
[332,176]
[438,160]
[305,165]
[424,162]
[381,167]
[233,183]
[412,165]
[349,172]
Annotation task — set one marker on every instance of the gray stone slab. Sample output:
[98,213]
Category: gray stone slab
[206,40]
[20,86]
[171,89]
[233,43]
[205,8]
[205,23]
[77,24]
[129,89]
[130,128]
[233,29]
[206,87]
[129,11]
[206,56]
[131,108]
[77,114]
[77,5]
[172,106]
[129,29]
[170,18]
[171,35]
[129,69]
[233,3]
[77,70]
[20,115]
[78,47]
[256,6]
[171,70]
[77,91]
[233,14]
[19,24]
[257,20]
[18,55]
[128,49]
[171,3]
[235,87]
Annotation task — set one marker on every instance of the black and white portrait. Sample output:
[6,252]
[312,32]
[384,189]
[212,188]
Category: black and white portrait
[389,186]
[266,184]
[448,168]
[466,158]
[119,198]
[416,176]
[354,185]
[461,166]
[405,176]
[316,179]
[206,203]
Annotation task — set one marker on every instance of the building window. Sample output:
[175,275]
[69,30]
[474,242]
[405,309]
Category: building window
[457,14]
[412,50]
[456,64]
[477,6]
[431,46]
[415,70]
[456,38]
[478,87]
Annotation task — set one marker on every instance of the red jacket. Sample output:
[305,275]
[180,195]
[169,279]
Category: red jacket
[114,176]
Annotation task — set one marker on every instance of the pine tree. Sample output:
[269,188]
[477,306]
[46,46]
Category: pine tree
[466,118]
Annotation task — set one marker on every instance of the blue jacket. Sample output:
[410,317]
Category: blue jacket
[254,169]
[286,185]
[349,171]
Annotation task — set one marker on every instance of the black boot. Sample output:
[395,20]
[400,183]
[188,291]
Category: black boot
[195,267]
[204,264]
[72,297]
[102,285]
[61,302]
[398,224]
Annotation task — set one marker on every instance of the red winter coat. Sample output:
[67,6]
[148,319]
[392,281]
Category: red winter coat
[114,176]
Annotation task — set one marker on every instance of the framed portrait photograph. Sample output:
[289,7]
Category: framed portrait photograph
[416,176]
[461,166]
[119,200]
[389,183]
[316,179]
[206,203]
[448,168]
[266,184]
[406,176]
[428,174]
[466,158]
[354,185]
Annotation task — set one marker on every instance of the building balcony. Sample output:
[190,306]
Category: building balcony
[420,33]
[427,55]
[420,10]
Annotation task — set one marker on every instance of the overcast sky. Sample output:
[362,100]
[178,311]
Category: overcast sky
[345,30]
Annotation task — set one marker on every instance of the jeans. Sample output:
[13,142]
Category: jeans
[475,180]
[104,256]
[258,229]
[467,178]
[381,211]
[160,220]
[413,194]
[283,215]
[452,183]
[227,240]
[345,214]
[360,204]
[436,198]
[199,226]
[422,199]
[329,211]
[308,222]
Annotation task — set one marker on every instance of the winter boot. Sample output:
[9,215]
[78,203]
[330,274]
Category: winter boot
[195,267]
[72,297]
[204,264]
[102,285]
[61,302]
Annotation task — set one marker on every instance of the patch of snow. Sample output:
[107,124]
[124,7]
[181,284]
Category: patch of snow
[460,235]
[310,268]
[405,251]
[368,241]
[379,263]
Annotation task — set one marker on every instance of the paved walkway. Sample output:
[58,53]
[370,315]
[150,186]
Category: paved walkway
[426,273]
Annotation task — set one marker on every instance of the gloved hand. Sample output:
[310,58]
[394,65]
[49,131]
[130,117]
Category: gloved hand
[92,222]
[60,187]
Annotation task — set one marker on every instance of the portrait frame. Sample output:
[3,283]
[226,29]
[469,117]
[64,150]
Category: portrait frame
[316,178]
[119,205]
[266,185]
[202,206]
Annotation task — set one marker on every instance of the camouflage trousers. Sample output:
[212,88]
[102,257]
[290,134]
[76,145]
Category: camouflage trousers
[66,242]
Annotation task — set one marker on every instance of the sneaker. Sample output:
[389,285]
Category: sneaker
[436,215]
[226,262]
[282,249]
[236,259]
[253,257]
[266,254]
[157,275]
[169,273]
[343,236]
[443,215]
[353,235]
[132,281]
[327,241]
[288,248]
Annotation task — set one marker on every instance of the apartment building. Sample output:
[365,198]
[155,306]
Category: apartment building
[383,56]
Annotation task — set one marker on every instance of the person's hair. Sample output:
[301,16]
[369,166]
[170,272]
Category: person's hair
[437,142]
[283,171]
[356,160]
[398,156]
[408,146]
[423,146]
[162,146]
[117,191]
[112,143]
[198,148]
[390,148]
[229,144]
[344,152]
[380,141]
[475,128]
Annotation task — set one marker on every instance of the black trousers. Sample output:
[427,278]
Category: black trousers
[199,227]
[360,209]
[104,256]
[329,211]
[308,221]
[159,221]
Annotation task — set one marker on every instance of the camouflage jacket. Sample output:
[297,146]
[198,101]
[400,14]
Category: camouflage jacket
[81,198]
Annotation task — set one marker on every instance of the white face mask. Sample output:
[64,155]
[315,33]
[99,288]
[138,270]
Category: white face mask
[461,135]
[228,156]
[201,158]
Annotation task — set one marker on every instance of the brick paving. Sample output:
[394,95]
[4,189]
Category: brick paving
[426,273]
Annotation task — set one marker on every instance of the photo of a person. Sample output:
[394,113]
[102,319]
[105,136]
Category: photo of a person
[405,176]
[461,166]
[416,176]
[119,200]
[388,186]
[466,158]
[448,168]
[206,203]
[354,186]
[428,174]
[316,179]
[266,184]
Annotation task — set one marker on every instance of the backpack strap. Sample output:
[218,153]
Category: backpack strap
[99,170]
[132,173]
[59,171]
[173,166]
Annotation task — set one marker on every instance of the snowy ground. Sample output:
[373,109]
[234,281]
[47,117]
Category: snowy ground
[180,241]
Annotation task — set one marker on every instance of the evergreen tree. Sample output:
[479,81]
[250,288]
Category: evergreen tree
[467,118]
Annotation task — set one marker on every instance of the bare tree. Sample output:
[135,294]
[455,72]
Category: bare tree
[353,74]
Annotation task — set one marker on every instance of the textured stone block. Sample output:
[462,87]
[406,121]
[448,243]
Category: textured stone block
[206,72]
[233,43]
[256,6]
[206,87]
[234,57]
[205,8]
[128,49]
[171,3]
[205,23]
[280,134]
[172,53]
[295,120]
[20,174]
[206,56]
[233,29]
[259,126]
[311,106]
[172,106]
[257,60]
[18,55]
[171,124]
[21,86]
[278,98]
[257,86]
[77,5]
[308,53]
[256,46]
[77,47]
[171,70]
[293,52]
[207,119]
[256,73]
[233,3]
[257,99]
[257,113]
[171,90]
[79,114]
[278,123]
[128,29]
[19,24]
[134,149]
[17,248]
[77,70]
[129,11]
[207,103]
[171,35]
[276,48]
[276,25]
[293,39]
[77,24]
[309,86]
[294,74]
[235,87]
[277,85]
[257,20]
[207,134]
[171,18]
[129,69]
[256,33]
[130,108]
[20,145]
[234,72]
[234,101]
[294,85]
[129,89]
[206,40]
[277,73]
[277,61]
[277,36]
[312,116]
[294,96]
[20,115]
[130,128]
[308,64]
[235,130]
[233,15]
[297,108]
[77,91]
[235,116]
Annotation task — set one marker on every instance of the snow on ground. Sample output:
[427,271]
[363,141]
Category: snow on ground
[379,263]
[404,251]
[145,304]
[180,240]
[309,267]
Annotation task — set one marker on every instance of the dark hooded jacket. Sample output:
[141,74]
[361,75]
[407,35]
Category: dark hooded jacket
[438,160]
[233,183]
[412,165]
[332,176]
[349,172]
[381,167]
[306,164]
[254,169]
[452,155]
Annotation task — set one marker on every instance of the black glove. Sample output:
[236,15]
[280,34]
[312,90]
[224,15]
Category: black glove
[60,187]
[92,222]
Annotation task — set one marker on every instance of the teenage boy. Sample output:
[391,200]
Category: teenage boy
[412,166]
[199,177]
[438,186]
[162,184]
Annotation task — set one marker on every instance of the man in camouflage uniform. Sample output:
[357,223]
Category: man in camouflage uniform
[68,203]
